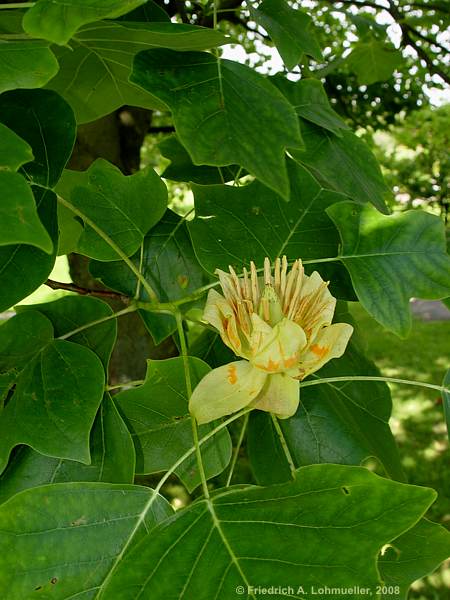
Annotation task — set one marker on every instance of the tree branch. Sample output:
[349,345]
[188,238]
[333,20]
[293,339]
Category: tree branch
[71,287]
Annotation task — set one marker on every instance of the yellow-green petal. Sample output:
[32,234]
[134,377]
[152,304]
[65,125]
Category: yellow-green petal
[225,390]
[329,343]
[280,395]
[281,349]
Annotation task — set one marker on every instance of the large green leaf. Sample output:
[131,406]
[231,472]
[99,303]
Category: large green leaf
[24,268]
[323,529]
[343,422]
[58,20]
[158,417]
[224,113]
[69,225]
[14,151]
[44,120]
[168,264]
[182,168]
[291,31]
[345,163]
[310,101]
[149,12]
[392,258]
[61,541]
[112,458]
[411,556]
[19,220]
[123,207]
[54,403]
[104,51]
[72,312]
[235,225]
[29,64]
[373,61]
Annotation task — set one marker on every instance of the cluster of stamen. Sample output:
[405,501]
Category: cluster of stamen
[245,295]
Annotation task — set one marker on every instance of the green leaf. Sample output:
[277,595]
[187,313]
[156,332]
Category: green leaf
[54,404]
[182,168]
[149,12]
[44,120]
[446,400]
[69,225]
[392,258]
[104,52]
[123,207]
[310,101]
[68,546]
[158,417]
[112,458]
[290,30]
[373,61]
[343,422]
[19,220]
[345,163]
[168,264]
[72,312]
[323,529]
[224,113]
[21,338]
[24,268]
[413,555]
[29,64]
[14,151]
[235,225]
[266,455]
[209,347]
[58,20]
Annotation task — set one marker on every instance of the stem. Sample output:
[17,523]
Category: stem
[141,260]
[236,450]
[113,245]
[71,287]
[17,5]
[284,444]
[201,441]
[187,376]
[116,386]
[374,378]
[125,311]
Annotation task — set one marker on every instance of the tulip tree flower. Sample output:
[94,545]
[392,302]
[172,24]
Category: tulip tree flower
[280,325]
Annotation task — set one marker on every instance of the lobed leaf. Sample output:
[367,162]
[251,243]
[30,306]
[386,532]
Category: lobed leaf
[117,210]
[168,264]
[104,51]
[19,219]
[28,64]
[323,529]
[71,544]
[14,151]
[344,163]
[224,113]
[112,458]
[291,31]
[373,61]
[414,554]
[392,258]
[310,101]
[58,20]
[24,268]
[158,417]
[46,122]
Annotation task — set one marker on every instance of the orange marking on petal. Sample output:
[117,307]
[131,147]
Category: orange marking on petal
[290,362]
[319,351]
[270,367]
[232,375]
